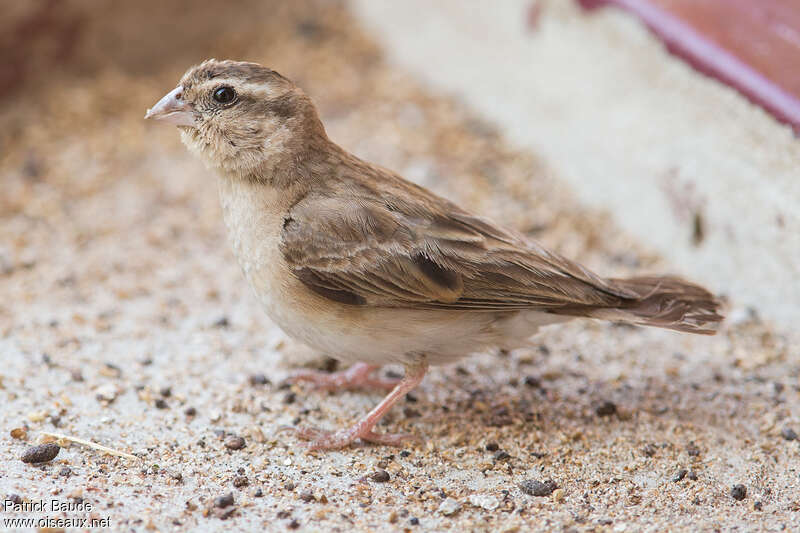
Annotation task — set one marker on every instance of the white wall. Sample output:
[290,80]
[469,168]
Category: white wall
[632,129]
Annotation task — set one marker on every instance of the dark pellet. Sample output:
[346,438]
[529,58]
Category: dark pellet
[41,454]
[739,492]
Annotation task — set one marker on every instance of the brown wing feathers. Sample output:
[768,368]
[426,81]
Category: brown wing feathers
[388,252]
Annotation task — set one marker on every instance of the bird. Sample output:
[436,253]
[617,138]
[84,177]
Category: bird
[352,260]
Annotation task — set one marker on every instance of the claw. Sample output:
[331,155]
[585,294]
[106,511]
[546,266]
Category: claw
[358,376]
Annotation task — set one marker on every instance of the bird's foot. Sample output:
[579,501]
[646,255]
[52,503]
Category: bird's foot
[320,439]
[358,376]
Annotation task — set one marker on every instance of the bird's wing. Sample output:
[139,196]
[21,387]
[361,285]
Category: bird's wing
[377,252]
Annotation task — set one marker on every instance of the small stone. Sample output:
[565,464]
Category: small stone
[649,450]
[290,398]
[502,455]
[788,433]
[692,475]
[449,507]
[40,454]
[558,495]
[307,496]
[757,506]
[190,411]
[258,493]
[224,501]
[289,485]
[414,521]
[738,492]
[19,433]
[484,501]
[680,475]
[240,481]
[160,403]
[380,476]
[534,487]
[692,449]
[234,442]
[605,408]
[65,471]
[492,447]
[259,379]
[166,392]
[222,322]
[405,453]
[106,393]
[294,524]
[533,382]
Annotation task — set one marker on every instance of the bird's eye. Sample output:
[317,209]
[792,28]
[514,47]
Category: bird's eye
[224,95]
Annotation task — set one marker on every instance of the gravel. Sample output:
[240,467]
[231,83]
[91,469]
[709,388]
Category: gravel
[535,487]
[127,263]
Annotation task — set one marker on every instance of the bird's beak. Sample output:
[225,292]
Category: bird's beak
[172,109]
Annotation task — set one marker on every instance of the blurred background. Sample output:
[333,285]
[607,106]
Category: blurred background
[575,127]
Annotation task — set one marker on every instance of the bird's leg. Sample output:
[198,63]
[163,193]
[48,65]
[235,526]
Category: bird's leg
[363,429]
[359,375]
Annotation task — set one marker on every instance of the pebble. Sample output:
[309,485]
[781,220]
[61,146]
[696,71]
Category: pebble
[65,471]
[484,501]
[414,521]
[739,492]
[533,382]
[294,524]
[259,379]
[380,476]
[788,433]
[449,507]
[258,493]
[649,450]
[234,442]
[534,487]
[289,398]
[692,449]
[605,408]
[106,393]
[307,496]
[240,481]
[224,501]
[692,475]
[492,447]
[19,433]
[502,455]
[40,454]
[160,403]
[190,411]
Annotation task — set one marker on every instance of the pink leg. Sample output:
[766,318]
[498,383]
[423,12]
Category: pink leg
[363,429]
[360,375]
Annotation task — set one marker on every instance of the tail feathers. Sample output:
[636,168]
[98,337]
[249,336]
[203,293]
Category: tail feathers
[664,302]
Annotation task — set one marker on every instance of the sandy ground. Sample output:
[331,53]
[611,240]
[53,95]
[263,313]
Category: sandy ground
[125,320]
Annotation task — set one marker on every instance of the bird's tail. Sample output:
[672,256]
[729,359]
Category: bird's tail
[664,302]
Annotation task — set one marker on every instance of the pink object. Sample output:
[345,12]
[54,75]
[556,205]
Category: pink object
[752,46]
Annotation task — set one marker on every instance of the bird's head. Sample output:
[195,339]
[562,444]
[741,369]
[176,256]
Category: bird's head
[239,117]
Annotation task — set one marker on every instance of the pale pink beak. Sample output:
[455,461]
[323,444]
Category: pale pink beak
[172,109]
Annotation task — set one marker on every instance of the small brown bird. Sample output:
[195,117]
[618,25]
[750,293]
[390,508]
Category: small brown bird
[357,262]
